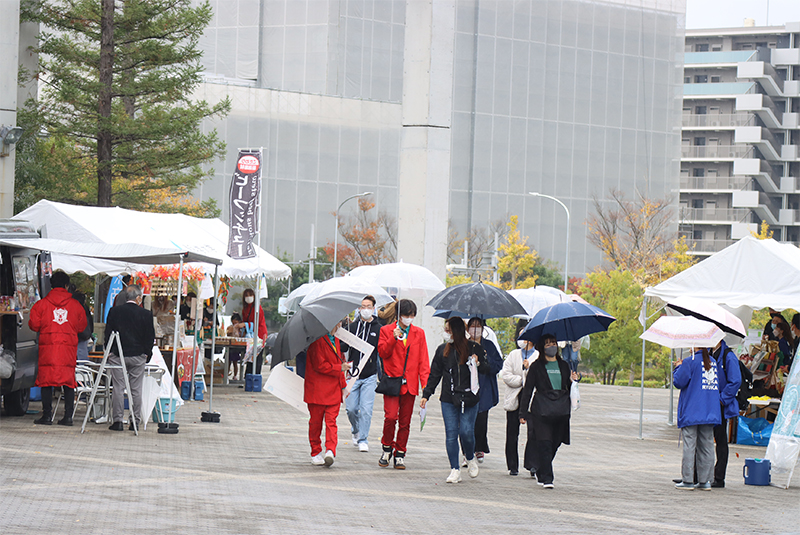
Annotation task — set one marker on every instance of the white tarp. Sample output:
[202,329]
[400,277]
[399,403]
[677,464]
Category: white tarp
[89,224]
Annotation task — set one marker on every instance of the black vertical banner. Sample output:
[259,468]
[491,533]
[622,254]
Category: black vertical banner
[245,192]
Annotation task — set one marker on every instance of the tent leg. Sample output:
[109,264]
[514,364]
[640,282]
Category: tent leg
[641,389]
[212,416]
[671,392]
[171,428]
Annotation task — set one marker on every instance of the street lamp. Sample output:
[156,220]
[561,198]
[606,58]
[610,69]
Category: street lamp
[336,232]
[566,263]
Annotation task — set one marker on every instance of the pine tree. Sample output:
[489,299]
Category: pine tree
[117,82]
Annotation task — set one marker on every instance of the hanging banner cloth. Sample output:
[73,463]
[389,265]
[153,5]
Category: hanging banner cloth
[244,204]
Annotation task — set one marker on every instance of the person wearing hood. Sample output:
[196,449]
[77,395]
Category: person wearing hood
[58,318]
[488,393]
[360,401]
[454,364]
[698,379]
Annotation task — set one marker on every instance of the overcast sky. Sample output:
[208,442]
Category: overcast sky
[731,13]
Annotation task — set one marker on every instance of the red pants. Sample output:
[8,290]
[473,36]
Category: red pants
[397,409]
[317,413]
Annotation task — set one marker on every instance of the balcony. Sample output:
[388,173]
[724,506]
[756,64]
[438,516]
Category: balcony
[707,247]
[785,56]
[789,217]
[717,120]
[758,201]
[720,215]
[764,73]
[763,106]
[729,58]
[718,90]
[715,152]
[716,183]
[761,138]
[761,170]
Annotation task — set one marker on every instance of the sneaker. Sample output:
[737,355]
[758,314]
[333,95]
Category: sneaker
[329,457]
[355,440]
[718,484]
[548,486]
[116,426]
[473,467]
[455,476]
[318,459]
[399,462]
[463,461]
[533,474]
[383,462]
[684,486]
[44,420]
[479,455]
[679,480]
[65,421]
[704,486]
[363,447]
[513,472]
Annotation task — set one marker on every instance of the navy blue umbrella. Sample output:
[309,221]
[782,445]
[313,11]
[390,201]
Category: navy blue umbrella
[567,322]
[476,300]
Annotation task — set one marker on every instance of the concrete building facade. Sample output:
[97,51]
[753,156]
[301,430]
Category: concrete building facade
[740,153]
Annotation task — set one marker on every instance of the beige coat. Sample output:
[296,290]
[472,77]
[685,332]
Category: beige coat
[513,376]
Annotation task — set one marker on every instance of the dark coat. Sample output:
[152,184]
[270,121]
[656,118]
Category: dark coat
[135,327]
[489,393]
[58,318]
[371,332]
[443,368]
[556,431]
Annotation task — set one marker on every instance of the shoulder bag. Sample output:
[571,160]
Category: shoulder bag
[390,386]
[552,403]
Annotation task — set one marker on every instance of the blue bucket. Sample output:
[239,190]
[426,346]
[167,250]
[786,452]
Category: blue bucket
[198,390]
[756,472]
[186,390]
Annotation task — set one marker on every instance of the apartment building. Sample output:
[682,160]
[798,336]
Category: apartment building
[740,144]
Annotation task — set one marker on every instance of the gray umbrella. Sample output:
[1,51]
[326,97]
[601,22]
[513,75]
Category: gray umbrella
[314,319]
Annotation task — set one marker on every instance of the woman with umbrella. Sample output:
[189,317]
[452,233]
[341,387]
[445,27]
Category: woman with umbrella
[404,352]
[324,381]
[452,364]
[488,393]
[551,378]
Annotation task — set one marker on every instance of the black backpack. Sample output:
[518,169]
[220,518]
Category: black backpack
[746,388]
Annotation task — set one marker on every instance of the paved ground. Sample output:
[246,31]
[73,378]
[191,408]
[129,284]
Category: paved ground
[251,474]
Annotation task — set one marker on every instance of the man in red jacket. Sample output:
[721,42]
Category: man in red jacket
[324,381]
[58,318]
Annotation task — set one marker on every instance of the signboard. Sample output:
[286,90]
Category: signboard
[244,204]
[784,443]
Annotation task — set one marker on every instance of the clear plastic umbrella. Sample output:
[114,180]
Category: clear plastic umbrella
[409,280]
[535,299]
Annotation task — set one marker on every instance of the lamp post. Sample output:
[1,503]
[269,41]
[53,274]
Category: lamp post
[564,206]
[336,231]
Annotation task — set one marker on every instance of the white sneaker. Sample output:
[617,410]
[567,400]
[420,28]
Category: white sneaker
[455,476]
[364,447]
[355,440]
[473,467]
[318,459]
[329,457]
[463,461]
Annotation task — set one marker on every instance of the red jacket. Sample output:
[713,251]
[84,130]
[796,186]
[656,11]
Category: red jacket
[324,376]
[393,353]
[247,317]
[58,318]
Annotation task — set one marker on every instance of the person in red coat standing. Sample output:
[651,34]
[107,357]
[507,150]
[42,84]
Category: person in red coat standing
[324,381]
[58,318]
[399,342]
[248,317]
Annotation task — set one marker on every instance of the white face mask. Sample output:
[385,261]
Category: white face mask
[475,333]
[448,338]
[366,313]
[521,344]
[249,299]
[406,320]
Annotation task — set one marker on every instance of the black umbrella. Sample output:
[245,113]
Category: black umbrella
[477,299]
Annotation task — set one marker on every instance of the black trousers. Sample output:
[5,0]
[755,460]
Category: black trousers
[545,453]
[512,443]
[481,429]
[248,368]
[721,440]
[47,400]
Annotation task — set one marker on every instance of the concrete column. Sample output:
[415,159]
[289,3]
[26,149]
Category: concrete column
[9,58]
[424,179]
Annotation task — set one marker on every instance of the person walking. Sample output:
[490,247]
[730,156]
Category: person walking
[515,369]
[698,412]
[404,352]
[549,410]
[488,393]
[324,381]
[453,365]
[58,318]
[360,401]
[137,337]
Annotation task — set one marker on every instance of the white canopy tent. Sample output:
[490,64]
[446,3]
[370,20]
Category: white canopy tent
[89,224]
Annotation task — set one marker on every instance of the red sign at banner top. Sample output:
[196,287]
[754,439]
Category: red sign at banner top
[248,164]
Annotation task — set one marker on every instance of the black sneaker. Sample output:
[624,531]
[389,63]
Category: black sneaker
[44,420]
[383,462]
[399,462]
[716,484]
[138,426]
[65,421]
[513,472]
[117,426]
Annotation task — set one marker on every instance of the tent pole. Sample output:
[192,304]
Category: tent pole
[175,345]
[211,416]
[671,391]
[641,394]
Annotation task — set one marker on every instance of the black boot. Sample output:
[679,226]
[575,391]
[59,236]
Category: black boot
[66,420]
[46,419]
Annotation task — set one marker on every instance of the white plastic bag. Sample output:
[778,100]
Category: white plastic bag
[8,364]
[474,385]
[575,396]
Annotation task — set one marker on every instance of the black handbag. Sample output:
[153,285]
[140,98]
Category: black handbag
[552,403]
[390,386]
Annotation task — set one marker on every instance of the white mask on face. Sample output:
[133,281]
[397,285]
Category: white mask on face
[249,299]
[475,333]
[366,313]
[448,338]
[521,344]
[406,320]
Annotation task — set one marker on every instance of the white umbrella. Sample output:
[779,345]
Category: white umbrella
[683,332]
[410,280]
[295,297]
[535,299]
[708,311]
[355,286]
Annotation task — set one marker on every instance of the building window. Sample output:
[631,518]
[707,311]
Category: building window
[698,171]
[697,235]
[687,79]
[715,79]
[701,79]
[701,47]
[716,48]
[699,142]
[697,203]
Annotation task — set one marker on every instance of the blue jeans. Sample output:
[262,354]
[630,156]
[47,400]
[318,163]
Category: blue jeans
[459,424]
[359,406]
[570,356]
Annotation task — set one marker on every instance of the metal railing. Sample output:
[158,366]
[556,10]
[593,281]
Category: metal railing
[735,183]
[715,151]
[707,246]
[715,214]
[714,120]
